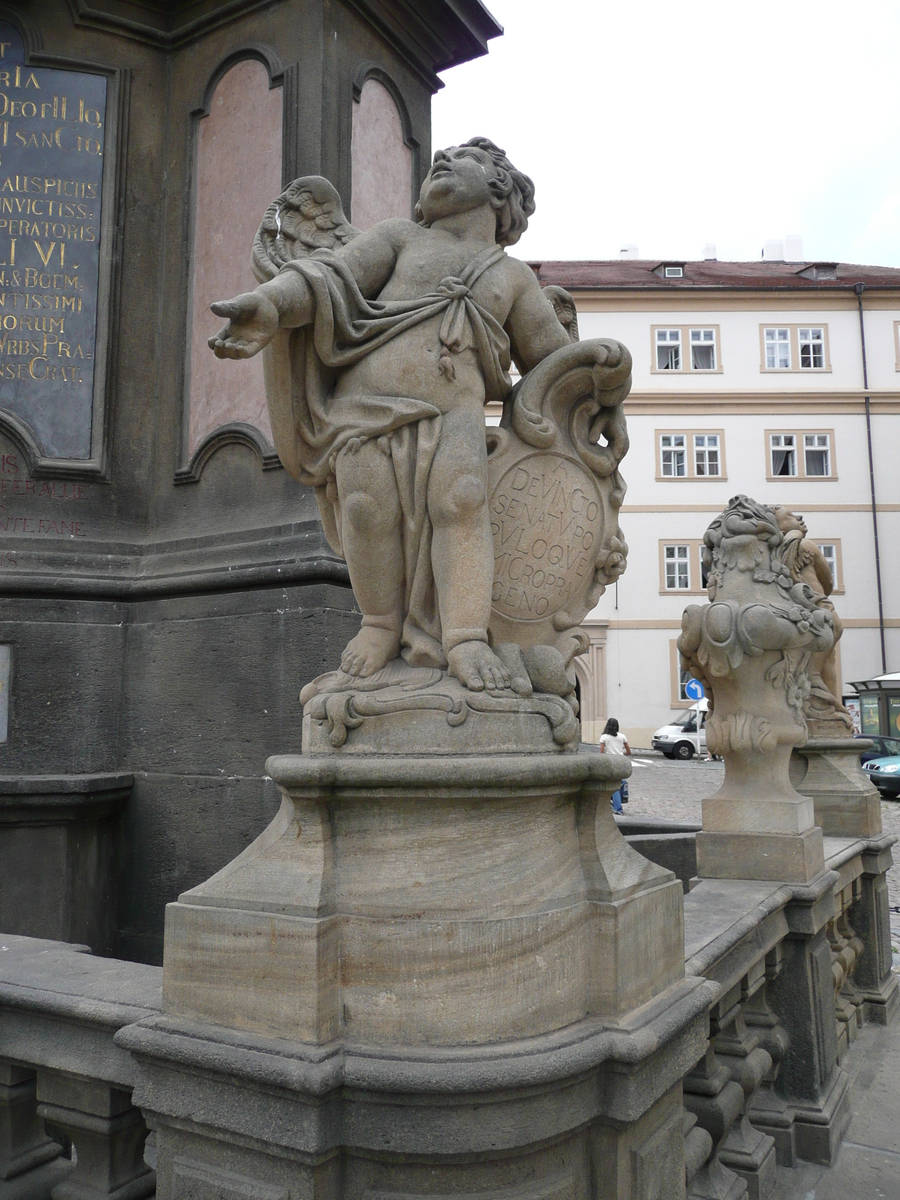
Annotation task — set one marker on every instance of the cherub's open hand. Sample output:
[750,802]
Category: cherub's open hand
[252,323]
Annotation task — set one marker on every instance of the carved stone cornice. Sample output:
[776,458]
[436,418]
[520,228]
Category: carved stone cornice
[436,34]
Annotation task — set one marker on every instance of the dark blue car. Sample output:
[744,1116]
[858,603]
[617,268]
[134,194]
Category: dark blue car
[882,746]
[885,774]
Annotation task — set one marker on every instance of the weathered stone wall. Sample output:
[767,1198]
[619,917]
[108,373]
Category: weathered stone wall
[170,592]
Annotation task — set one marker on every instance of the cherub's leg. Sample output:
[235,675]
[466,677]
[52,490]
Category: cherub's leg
[371,539]
[462,549]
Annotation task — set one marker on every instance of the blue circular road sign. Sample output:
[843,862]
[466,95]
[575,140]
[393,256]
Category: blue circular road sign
[694,690]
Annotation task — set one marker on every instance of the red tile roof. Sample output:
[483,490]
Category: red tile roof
[634,273]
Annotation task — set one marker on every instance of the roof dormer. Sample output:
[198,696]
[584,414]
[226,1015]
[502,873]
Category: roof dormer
[819,270]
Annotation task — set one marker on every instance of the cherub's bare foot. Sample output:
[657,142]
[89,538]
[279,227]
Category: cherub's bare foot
[478,667]
[370,650]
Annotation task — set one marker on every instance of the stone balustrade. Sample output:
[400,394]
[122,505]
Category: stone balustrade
[789,973]
[60,1009]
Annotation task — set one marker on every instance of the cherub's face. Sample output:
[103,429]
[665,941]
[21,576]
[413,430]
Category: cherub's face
[459,181]
[788,521]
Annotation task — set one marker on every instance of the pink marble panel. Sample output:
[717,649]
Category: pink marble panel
[238,177]
[381,161]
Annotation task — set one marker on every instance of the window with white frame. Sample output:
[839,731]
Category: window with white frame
[681,567]
[801,454]
[668,349]
[686,348]
[690,454]
[703,349]
[778,349]
[706,454]
[794,347]
[673,455]
[817,454]
[829,553]
[812,347]
[783,450]
[684,675]
[677,568]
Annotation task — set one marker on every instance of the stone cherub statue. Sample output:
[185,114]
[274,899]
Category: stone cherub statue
[825,715]
[751,646]
[381,350]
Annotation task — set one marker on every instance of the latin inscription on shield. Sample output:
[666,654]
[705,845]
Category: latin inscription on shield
[546,518]
[51,174]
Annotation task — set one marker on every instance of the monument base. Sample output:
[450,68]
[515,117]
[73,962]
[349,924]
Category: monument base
[428,976]
[593,1111]
[428,902]
[828,771]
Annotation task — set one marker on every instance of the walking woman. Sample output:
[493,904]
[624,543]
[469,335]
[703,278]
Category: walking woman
[613,742]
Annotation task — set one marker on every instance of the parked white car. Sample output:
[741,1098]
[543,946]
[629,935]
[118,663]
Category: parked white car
[679,740]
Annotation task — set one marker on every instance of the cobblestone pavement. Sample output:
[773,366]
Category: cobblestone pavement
[661,787]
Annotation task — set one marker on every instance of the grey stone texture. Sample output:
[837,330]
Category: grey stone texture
[143,586]
[56,851]
[60,1008]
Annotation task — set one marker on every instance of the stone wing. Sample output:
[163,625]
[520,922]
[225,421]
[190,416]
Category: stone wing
[563,305]
[307,216]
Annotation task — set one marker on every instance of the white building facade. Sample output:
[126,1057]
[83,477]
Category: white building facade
[748,377]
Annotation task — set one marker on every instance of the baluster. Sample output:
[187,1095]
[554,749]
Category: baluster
[716,1101]
[745,1150]
[27,1154]
[108,1133]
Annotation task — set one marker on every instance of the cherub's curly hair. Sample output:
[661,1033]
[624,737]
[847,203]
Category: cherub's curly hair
[512,190]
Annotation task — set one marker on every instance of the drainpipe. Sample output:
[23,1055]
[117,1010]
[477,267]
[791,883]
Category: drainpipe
[859,288]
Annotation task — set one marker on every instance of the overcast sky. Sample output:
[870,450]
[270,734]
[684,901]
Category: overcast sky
[673,125]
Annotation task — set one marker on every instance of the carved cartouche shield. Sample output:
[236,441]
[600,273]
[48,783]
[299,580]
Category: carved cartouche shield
[555,491]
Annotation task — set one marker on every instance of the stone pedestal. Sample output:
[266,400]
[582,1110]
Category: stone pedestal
[427,902]
[759,828]
[828,771]
[428,976]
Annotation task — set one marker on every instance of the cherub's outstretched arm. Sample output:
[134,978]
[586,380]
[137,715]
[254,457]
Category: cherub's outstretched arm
[255,317]
[286,301]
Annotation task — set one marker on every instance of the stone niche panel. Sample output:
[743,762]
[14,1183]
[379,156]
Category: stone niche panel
[238,176]
[381,162]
